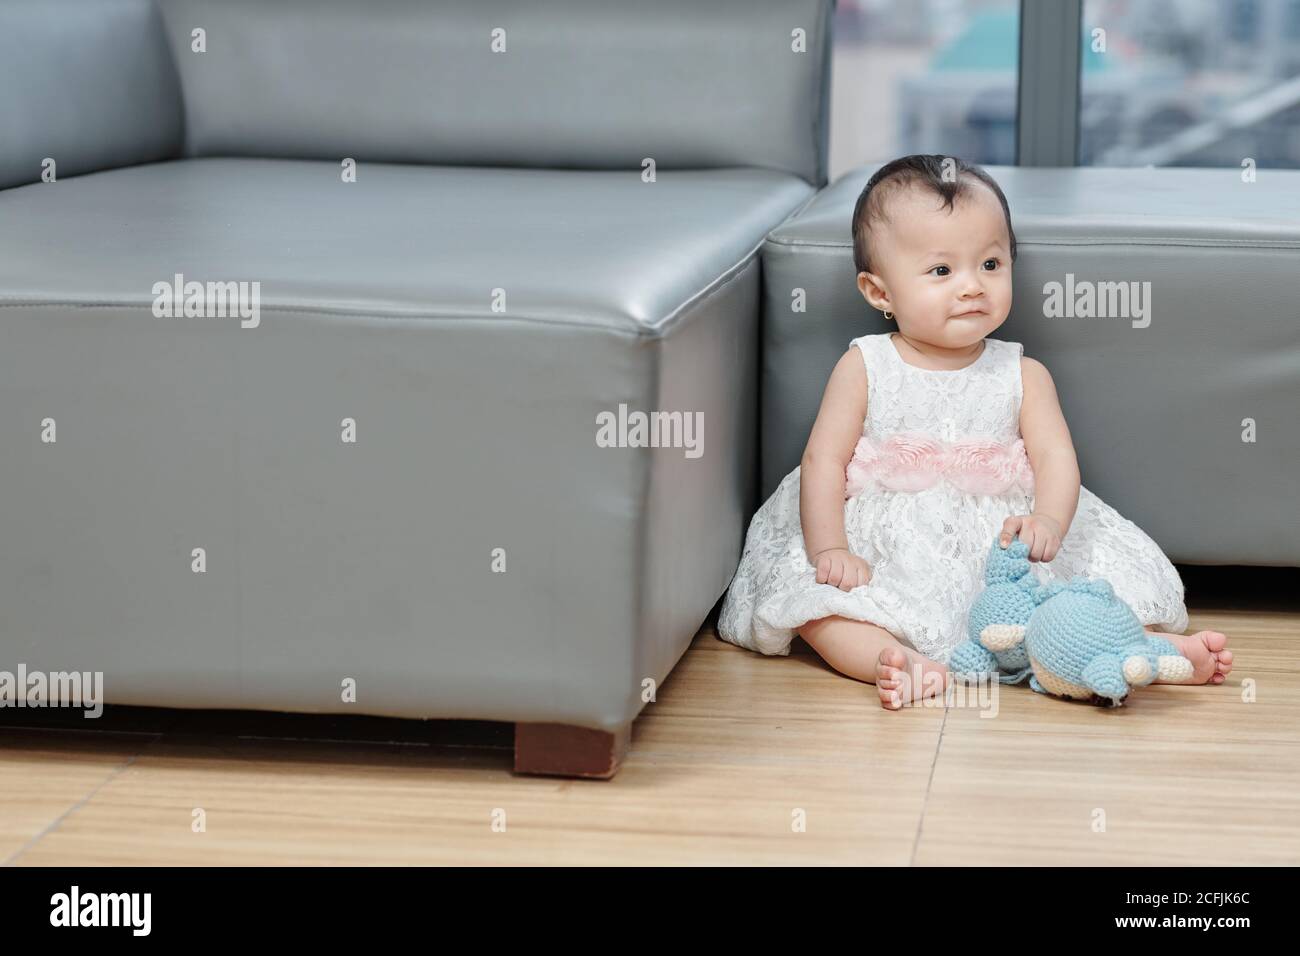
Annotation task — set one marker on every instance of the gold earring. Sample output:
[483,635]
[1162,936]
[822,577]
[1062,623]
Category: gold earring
[889,316]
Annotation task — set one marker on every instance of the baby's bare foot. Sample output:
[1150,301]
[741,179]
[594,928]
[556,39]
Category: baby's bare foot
[1211,661]
[891,677]
[898,677]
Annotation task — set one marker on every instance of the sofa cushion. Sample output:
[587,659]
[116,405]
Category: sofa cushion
[596,248]
[476,551]
[579,83]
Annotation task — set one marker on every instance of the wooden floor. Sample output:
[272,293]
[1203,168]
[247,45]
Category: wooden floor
[743,759]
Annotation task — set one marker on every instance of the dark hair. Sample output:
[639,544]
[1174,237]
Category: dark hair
[926,170]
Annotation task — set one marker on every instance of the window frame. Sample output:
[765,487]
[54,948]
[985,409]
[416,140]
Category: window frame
[1048,81]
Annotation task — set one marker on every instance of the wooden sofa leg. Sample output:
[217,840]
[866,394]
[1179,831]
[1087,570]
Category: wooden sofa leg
[563,750]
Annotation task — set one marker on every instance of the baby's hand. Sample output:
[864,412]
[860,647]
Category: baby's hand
[1040,532]
[842,568]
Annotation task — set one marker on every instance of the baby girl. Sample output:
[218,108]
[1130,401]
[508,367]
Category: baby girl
[931,440]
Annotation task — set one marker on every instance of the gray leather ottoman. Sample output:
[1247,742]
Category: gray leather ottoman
[475,551]
[1157,403]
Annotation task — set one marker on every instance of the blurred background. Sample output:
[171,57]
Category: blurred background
[1168,83]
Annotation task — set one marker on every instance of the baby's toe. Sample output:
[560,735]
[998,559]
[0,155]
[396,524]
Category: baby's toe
[1214,641]
[892,657]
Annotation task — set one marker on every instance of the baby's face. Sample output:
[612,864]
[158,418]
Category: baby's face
[945,274]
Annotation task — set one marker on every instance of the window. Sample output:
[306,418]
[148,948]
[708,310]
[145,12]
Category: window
[1158,83]
[924,76]
[1208,83]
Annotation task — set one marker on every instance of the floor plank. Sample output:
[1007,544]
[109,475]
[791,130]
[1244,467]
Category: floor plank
[46,776]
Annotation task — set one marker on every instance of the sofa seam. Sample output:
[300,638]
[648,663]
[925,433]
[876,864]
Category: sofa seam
[821,116]
[351,313]
[182,105]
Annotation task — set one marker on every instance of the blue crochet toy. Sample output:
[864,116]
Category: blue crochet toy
[998,617]
[1078,638]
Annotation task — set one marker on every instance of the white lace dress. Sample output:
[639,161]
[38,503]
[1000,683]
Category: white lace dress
[937,447]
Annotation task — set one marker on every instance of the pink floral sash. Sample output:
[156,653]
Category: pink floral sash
[914,461]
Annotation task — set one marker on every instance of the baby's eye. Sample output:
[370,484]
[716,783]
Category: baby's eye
[994,261]
[945,269]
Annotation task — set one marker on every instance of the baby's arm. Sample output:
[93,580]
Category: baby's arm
[834,435]
[1051,455]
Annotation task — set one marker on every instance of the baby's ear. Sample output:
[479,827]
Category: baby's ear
[873,290]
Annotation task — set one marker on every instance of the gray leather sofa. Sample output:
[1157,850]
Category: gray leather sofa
[1185,411]
[186,507]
